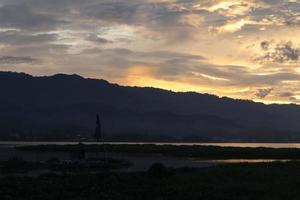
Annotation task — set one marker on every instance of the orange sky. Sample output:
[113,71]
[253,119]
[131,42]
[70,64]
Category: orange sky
[241,49]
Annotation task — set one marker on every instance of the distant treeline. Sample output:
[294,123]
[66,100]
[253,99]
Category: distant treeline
[196,151]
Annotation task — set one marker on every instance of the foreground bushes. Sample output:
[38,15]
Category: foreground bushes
[265,181]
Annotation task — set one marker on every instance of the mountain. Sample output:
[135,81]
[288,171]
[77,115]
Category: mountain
[64,107]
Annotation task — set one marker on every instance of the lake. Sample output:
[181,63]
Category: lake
[141,162]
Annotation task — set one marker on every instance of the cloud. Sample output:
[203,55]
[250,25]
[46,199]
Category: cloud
[152,56]
[122,12]
[286,94]
[262,93]
[190,68]
[12,60]
[199,43]
[294,100]
[163,20]
[22,17]
[283,52]
[19,38]
[99,40]
[265,45]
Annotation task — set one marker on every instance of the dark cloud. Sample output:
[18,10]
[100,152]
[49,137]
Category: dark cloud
[123,12]
[135,13]
[268,79]
[286,94]
[283,52]
[265,45]
[99,40]
[20,38]
[50,51]
[161,18]
[262,93]
[152,55]
[171,55]
[294,99]
[12,60]
[22,17]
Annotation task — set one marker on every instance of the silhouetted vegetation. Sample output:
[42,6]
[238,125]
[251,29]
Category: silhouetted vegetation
[265,181]
[158,170]
[200,152]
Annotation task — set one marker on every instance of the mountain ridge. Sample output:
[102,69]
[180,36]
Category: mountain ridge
[64,106]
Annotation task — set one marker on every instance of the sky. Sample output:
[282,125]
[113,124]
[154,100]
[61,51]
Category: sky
[245,49]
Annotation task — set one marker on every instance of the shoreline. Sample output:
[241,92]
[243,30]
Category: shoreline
[220,144]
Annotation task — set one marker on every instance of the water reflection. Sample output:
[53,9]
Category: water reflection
[141,162]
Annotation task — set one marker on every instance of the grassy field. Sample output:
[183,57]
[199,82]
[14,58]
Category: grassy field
[199,152]
[263,181]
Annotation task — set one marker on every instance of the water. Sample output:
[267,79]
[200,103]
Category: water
[141,162]
[269,145]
